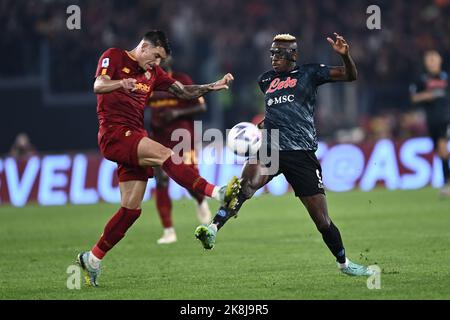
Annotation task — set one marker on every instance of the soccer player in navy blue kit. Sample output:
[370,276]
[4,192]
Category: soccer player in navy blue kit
[431,93]
[290,98]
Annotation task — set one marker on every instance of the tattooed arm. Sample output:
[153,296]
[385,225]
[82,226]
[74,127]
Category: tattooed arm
[195,91]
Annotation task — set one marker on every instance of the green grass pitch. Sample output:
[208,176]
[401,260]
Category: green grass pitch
[272,251]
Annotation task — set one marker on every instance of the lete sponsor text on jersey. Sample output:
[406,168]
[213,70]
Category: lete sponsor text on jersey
[277,84]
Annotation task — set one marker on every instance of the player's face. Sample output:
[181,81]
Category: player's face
[433,62]
[151,56]
[282,56]
[22,140]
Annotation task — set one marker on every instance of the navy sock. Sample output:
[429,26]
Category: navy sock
[221,217]
[446,170]
[333,240]
[224,214]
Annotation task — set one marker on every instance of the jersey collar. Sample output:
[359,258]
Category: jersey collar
[130,56]
[295,70]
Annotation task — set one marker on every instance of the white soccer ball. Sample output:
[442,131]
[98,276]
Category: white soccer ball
[244,139]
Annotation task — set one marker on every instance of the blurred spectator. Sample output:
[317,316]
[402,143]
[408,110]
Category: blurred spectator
[213,37]
[22,147]
[412,124]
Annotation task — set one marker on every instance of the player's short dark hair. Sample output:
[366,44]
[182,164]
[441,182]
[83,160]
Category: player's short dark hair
[158,39]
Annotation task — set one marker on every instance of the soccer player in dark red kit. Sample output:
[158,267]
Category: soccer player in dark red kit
[123,84]
[170,113]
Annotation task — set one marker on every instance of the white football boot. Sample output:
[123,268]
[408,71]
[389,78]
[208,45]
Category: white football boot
[169,236]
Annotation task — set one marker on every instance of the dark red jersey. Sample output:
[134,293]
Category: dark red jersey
[123,106]
[160,101]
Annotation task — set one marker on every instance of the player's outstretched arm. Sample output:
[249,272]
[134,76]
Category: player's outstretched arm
[348,71]
[104,84]
[195,91]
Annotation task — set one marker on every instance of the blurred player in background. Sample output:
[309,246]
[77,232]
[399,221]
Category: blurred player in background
[22,148]
[290,97]
[123,83]
[431,92]
[169,113]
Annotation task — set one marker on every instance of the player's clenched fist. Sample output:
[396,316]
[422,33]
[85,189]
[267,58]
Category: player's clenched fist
[128,83]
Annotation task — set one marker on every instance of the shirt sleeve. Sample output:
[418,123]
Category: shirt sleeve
[321,73]
[108,63]
[263,82]
[163,80]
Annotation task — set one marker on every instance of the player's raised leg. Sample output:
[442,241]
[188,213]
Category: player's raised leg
[152,153]
[132,193]
[317,209]
[254,176]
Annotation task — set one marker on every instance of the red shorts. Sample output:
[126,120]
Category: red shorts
[189,156]
[163,135]
[119,143]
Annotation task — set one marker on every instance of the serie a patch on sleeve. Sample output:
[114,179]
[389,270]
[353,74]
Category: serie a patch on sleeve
[105,63]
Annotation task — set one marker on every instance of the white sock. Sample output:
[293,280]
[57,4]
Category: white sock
[203,212]
[203,205]
[343,265]
[94,261]
[213,226]
[169,230]
[215,194]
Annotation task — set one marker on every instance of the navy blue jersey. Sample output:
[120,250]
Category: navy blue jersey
[290,100]
[437,110]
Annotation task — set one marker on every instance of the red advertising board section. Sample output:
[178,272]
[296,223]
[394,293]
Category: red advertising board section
[88,178]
